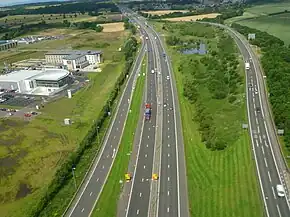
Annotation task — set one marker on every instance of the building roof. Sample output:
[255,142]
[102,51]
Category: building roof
[74,56]
[45,74]
[51,75]
[72,52]
[17,76]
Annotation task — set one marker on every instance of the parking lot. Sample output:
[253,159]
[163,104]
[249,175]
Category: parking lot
[17,100]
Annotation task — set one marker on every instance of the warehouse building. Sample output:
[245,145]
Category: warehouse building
[38,82]
[73,60]
[5,45]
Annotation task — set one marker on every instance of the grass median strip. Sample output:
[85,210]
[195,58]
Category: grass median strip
[220,166]
[107,204]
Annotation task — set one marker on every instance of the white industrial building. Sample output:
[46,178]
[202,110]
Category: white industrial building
[37,82]
[73,60]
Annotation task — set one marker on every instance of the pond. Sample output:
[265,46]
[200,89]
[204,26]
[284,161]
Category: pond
[201,50]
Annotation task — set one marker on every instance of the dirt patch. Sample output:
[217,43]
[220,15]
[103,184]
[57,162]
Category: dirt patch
[193,18]
[164,12]
[23,191]
[13,123]
[7,166]
[113,27]
[12,139]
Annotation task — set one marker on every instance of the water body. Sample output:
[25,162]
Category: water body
[201,50]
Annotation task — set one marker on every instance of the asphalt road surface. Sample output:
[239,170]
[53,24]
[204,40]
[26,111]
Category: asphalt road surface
[168,193]
[89,192]
[139,198]
[268,172]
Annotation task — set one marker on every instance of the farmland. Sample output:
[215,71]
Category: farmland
[259,17]
[162,12]
[221,178]
[192,18]
[113,27]
[277,25]
[17,20]
[31,152]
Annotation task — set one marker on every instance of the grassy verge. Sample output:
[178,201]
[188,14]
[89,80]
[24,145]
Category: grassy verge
[107,204]
[220,183]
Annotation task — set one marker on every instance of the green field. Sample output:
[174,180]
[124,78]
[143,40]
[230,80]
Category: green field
[265,9]
[107,203]
[277,25]
[221,183]
[31,152]
[258,17]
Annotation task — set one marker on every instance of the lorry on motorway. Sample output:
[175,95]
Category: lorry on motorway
[247,65]
[147,111]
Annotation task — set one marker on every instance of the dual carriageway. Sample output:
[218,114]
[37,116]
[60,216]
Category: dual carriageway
[160,147]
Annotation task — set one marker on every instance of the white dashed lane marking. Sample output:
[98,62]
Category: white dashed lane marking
[168,166]
[83,209]
[265,162]
[269,176]
[140,195]
[274,192]
[91,193]
[97,179]
[137,212]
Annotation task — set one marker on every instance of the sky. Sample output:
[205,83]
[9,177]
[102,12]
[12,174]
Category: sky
[13,2]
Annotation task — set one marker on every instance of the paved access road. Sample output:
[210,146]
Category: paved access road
[171,198]
[91,189]
[267,169]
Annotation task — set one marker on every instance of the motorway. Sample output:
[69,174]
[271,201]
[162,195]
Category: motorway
[267,169]
[90,190]
[140,193]
[159,198]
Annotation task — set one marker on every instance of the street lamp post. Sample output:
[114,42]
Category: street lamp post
[98,138]
[73,173]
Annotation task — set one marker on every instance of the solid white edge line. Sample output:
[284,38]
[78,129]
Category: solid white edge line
[253,144]
[155,63]
[175,127]
[265,125]
[107,137]
[123,128]
[177,165]
[140,140]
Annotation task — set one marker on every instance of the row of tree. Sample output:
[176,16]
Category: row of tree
[226,12]
[130,26]
[276,64]
[63,175]
[11,33]
[65,8]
